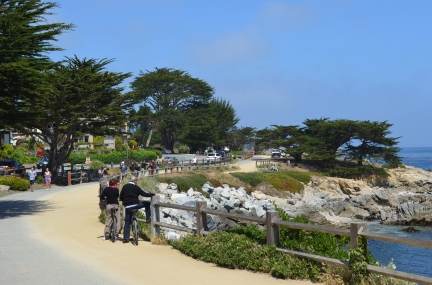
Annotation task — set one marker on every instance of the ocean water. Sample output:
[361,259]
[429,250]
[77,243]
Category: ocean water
[406,258]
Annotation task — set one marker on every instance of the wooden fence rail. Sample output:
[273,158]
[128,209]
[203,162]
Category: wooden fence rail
[272,223]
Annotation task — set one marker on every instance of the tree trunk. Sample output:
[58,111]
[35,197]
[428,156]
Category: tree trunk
[168,140]
[149,138]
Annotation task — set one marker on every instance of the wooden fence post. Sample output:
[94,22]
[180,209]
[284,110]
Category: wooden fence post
[272,230]
[69,178]
[356,229]
[201,217]
[155,217]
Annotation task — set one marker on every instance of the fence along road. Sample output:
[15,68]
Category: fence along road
[69,228]
[273,223]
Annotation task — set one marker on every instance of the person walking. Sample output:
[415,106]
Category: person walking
[32,177]
[122,170]
[194,161]
[47,176]
[129,197]
[111,194]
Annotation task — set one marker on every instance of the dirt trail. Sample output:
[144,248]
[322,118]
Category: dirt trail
[73,228]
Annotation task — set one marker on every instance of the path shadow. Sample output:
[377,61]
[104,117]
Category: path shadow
[16,208]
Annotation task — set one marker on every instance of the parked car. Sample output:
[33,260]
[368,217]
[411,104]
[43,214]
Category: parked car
[213,156]
[170,159]
[275,153]
[166,151]
[43,163]
[226,149]
[9,166]
[283,154]
[222,153]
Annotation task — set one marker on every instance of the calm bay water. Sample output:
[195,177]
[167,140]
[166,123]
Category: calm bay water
[411,259]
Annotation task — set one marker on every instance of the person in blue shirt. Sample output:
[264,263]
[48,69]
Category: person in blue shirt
[32,176]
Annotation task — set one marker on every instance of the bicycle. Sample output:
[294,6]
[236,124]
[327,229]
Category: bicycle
[113,227]
[134,225]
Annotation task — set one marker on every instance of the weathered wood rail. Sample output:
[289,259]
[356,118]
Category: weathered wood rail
[272,223]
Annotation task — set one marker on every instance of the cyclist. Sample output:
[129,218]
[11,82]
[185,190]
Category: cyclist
[129,196]
[111,194]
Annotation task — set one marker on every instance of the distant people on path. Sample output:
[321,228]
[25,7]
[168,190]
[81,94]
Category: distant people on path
[47,176]
[129,196]
[289,163]
[32,177]
[194,160]
[150,167]
[143,166]
[122,170]
[111,194]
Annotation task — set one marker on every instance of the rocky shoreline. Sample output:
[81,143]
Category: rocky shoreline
[404,198]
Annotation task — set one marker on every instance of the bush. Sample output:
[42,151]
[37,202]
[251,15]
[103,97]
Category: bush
[95,164]
[115,156]
[237,251]
[132,143]
[118,143]
[358,172]
[40,180]
[183,149]
[15,183]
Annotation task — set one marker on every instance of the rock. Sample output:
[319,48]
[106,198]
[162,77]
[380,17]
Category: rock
[172,236]
[225,194]
[256,211]
[4,188]
[410,230]
[190,192]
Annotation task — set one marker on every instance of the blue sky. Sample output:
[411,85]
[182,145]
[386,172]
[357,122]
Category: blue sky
[277,62]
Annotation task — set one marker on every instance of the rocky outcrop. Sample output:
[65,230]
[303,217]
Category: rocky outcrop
[225,199]
[405,198]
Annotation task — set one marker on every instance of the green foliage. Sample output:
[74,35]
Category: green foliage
[15,183]
[356,172]
[281,180]
[98,141]
[115,157]
[118,143]
[358,262]
[40,180]
[25,39]
[236,251]
[132,143]
[95,164]
[185,182]
[20,154]
[171,94]
[183,149]
[84,97]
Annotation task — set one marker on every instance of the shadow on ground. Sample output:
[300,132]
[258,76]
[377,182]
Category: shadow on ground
[16,208]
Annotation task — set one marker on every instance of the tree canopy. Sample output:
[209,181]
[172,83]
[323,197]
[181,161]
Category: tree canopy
[82,98]
[25,41]
[322,138]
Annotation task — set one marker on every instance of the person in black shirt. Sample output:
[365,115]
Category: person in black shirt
[129,196]
[111,194]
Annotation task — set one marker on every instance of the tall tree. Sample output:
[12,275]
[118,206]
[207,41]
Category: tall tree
[25,41]
[238,137]
[226,120]
[170,93]
[371,140]
[83,97]
[140,122]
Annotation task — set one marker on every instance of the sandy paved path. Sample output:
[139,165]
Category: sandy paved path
[79,239]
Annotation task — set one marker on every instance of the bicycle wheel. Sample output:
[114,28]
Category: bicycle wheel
[135,231]
[113,229]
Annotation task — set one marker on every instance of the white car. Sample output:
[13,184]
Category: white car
[213,156]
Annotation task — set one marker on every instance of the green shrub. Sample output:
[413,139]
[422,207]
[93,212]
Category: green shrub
[237,251]
[115,156]
[40,180]
[15,183]
[183,149]
[95,164]
[118,143]
[132,143]
[356,172]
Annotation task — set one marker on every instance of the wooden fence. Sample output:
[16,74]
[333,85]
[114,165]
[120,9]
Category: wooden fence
[272,223]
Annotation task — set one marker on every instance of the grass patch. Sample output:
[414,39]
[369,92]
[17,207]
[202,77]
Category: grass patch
[287,180]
